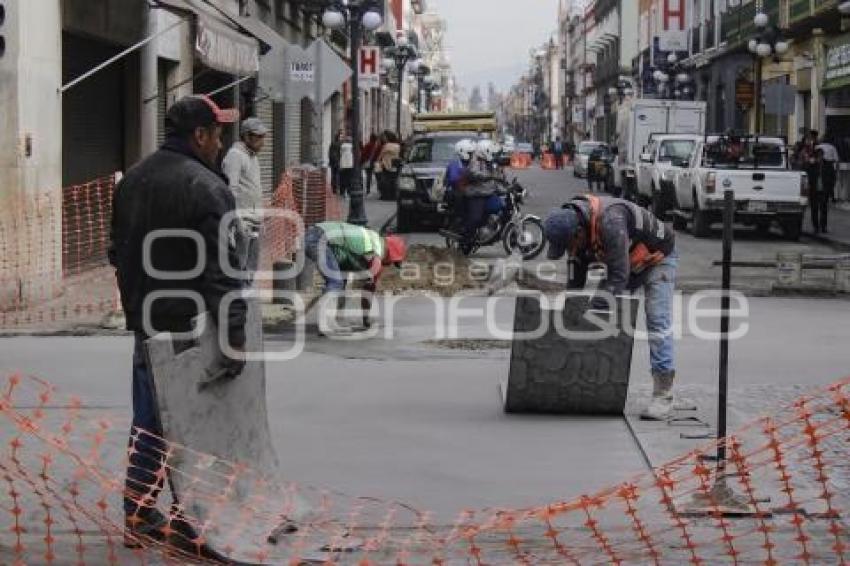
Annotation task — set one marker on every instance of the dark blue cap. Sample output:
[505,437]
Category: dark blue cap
[561,227]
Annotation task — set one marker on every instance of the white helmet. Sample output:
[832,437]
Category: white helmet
[486,151]
[465,149]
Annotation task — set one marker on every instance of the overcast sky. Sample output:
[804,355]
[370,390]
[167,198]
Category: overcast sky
[489,40]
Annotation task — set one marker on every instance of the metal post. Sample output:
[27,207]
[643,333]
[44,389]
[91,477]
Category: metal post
[400,67]
[357,209]
[723,389]
[757,94]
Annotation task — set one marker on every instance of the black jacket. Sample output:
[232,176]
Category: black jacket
[172,189]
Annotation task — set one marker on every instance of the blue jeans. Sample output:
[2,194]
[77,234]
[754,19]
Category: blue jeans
[659,289]
[314,240]
[146,454]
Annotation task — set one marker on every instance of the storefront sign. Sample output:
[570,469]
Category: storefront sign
[226,50]
[745,94]
[837,64]
[302,71]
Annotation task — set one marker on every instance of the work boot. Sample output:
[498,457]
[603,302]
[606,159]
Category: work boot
[661,406]
[143,527]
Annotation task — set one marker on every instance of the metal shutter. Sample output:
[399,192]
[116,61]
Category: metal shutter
[265,112]
[92,112]
[161,102]
[293,133]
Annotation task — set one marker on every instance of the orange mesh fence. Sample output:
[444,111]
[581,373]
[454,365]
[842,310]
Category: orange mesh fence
[548,161]
[53,262]
[61,485]
[54,269]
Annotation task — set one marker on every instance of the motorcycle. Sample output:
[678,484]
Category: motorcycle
[505,222]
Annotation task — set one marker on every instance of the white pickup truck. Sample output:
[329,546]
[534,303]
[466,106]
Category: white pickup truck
[755,168]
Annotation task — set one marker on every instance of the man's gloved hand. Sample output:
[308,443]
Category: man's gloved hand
[233,366]
[601,303]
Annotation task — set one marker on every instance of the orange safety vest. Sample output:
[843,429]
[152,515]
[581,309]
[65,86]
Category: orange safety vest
[640,258]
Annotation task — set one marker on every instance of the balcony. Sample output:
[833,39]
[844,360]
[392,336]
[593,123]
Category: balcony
[801,10]
[736,25]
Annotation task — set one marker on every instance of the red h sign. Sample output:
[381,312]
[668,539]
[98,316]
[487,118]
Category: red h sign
[674,9]
[369,61]
[370,67]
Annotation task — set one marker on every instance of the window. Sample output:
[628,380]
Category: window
[433,150]
[674,150]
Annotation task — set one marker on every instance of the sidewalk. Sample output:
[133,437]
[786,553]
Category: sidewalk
[839,226]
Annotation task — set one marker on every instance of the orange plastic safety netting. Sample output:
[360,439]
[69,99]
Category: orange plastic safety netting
[61,484]
[54,270]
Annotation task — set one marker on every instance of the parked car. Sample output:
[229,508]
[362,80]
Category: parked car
[524,147]
[757,169]
[420,180]
[657,157]
[585,148]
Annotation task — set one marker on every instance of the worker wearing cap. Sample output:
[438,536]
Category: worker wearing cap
[340,249]
[639,251]
[242,169]
[178,188]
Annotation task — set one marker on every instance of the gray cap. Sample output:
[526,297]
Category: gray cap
[561,226]
[254,126]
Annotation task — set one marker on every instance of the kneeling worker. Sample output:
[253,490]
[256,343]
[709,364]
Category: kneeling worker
[339,249]
[639,251]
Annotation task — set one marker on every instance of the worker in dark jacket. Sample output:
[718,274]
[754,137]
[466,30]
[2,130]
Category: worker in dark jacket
[639,251]
[178,188]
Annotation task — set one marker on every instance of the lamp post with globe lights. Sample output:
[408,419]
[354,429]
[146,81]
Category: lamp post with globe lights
[358,16]
[672,79]
[399,58]
[767,43]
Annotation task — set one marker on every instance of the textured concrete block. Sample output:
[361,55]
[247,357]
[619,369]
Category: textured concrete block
[561,374]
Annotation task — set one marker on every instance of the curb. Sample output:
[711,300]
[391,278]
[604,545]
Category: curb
[828,240]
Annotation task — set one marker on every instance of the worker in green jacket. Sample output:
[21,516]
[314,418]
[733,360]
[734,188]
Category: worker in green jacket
[339,248]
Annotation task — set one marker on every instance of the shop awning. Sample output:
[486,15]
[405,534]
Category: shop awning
[266,35]
[225,49]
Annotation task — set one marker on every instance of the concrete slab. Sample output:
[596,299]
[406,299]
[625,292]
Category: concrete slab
[221,459]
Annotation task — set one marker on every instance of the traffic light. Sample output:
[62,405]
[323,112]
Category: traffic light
[2,21]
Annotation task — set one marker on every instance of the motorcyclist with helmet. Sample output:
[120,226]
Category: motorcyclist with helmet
[480,191]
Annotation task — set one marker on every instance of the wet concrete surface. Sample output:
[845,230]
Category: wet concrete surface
[411,420]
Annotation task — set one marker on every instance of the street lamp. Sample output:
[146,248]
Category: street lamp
[420,72]
[767,43]
[399,58]
[358,15]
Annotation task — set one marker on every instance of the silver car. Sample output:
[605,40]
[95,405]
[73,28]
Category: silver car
[585,148]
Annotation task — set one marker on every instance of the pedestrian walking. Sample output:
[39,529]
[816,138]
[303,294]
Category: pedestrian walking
[829,172]
[639,252]
[179,187]
[369,156]
[558,151]
[346,166]
[386,167]
[333,161]
[242,169]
